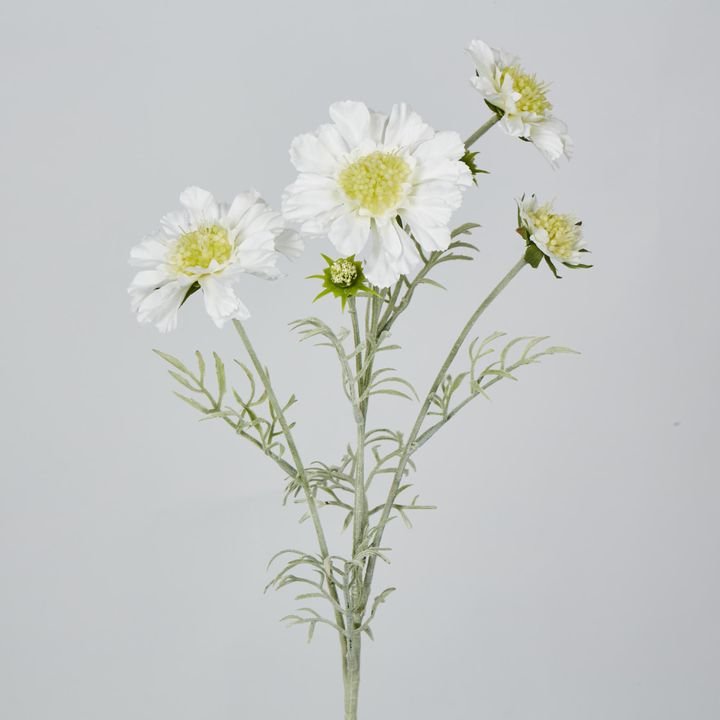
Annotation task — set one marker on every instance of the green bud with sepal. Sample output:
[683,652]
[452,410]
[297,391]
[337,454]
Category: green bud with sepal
[343,278]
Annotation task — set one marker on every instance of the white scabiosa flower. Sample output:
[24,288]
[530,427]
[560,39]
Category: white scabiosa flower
[522,100]
[558,238]
[372,182]
[207,246]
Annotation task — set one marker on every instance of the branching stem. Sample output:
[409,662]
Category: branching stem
[301,476]
[410,445]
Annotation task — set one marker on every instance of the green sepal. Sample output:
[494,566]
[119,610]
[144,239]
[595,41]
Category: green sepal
[498,111]
[523,233]
[533,254]
[469,159]
[191,291]
[357,287]
[552,267]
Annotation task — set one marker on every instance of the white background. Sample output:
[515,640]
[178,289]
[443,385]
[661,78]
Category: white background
[571,570]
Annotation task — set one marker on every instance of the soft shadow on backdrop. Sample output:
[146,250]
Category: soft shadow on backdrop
[571,571]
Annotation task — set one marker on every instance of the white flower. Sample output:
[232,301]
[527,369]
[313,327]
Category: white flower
[207,246]
[369,181]
[558,236]
[527,112]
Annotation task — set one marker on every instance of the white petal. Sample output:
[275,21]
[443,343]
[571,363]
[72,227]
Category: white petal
[349,233]
[160,306]
[200,204]
[378,123]
[239,207]
[444,144]
[221,302]
[551,139]
[383,264]
[150,279]
[309,198]
[176,223]
[309,154]
[433,202]
[430,237]
[352,120]
[482,54]
[513,125]
[150,252]
[290,244]
[256,253]
[405,127]
[333,141]
[260,218]
[487,88]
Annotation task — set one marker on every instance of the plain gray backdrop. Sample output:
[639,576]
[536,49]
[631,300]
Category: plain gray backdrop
[571,571]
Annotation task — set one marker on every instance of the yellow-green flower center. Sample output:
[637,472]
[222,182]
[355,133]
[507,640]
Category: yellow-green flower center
[563,233]
[375,182]
[198,248]
[533,92]
[343,272]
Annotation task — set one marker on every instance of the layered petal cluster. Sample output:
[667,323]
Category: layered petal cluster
[558,236]
[372,183]
[207,246]
[522,100]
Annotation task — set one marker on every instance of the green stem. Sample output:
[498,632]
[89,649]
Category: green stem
[216,406]
[301,476]
[359,499]
[352,689]
[355,597]
[390,317]
[482,130]
[411,441]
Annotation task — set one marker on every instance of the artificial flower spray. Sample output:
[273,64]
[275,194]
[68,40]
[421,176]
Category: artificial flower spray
[381,189]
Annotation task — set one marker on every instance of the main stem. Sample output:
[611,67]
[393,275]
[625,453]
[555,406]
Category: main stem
[356,598]
[412,438]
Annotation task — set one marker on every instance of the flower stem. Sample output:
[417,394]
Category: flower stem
[302,478]
[482,130]
[414,433]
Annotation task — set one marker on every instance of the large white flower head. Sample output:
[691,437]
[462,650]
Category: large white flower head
[372,182]
[522,99]
[558,236]
[207,246]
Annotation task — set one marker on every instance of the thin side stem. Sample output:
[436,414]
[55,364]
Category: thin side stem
[284,465]
[414,433]
[301,475]
[482,130]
